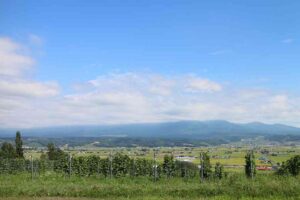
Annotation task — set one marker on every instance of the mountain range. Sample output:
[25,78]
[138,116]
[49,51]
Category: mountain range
[180,129]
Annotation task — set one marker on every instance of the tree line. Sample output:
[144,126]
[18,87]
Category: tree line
[12,161]
[10,151]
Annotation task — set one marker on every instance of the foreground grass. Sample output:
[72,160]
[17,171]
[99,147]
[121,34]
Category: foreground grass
[147,198]
[236,186]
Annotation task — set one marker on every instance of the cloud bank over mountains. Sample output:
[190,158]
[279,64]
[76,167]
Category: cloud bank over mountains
[130,97]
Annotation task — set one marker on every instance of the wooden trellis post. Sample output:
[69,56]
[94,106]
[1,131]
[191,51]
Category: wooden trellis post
[70,165]
[31,165]
[154,166]
[110,166]
[201,167]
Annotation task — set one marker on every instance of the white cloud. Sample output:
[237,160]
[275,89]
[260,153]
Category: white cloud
[202,85]
[161,86]
[12,61]
[14,64]
[20,95]
[279,102]
[25,88]
[130,98]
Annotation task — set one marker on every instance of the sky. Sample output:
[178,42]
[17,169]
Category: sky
[117,62]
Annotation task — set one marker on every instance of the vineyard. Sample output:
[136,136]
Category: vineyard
[118,165]
[120,175]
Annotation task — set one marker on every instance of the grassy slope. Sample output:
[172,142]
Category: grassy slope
[234,187]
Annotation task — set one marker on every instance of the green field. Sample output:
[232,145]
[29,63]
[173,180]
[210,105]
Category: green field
[231,157]
[51,185]
[235,186]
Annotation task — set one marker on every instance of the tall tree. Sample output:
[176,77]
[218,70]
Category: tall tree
[169,165]
[55,153]
[19,144]
[7,151]
[206,165]
[219,170]
[250,168]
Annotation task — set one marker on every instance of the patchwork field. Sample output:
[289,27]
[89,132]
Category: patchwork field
[231,157]
[52,185]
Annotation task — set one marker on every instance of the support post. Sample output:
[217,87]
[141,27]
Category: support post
[133,168]
[70,165]
[154,167]
[110,161]
[31,164]
[98,168]
[251,164]
[201,167]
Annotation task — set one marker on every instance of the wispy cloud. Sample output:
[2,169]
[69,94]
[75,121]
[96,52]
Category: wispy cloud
[196,84]
[287,40]
[13,62]
[17,91]
[35,39]
[27,88]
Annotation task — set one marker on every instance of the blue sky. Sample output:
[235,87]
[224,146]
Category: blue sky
[239,46]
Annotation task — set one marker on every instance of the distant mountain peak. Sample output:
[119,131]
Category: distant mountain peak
[178,129]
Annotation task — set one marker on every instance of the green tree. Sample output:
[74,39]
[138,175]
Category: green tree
[169,165]
[143,167]
[19,144]
[250,167]
[283,170]
[55,153]
[93,164]
[7,151]
[80,166]
[51,151]
[120,164]
[105,167]
[291,166]
[206,165]
[219,170]
[185,169]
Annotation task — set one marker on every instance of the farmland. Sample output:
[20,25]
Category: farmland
[236,186]
[210,172]
[71,185]
[229,156]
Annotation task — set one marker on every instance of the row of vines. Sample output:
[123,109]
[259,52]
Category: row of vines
[117,165]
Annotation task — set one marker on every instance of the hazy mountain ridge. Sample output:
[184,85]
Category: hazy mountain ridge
[180,129]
